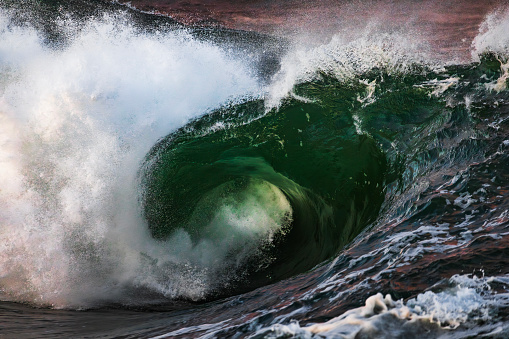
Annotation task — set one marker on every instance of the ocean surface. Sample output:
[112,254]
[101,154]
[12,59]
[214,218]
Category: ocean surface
[282,179]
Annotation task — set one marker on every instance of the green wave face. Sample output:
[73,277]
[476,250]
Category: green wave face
[292,186]
[281,192]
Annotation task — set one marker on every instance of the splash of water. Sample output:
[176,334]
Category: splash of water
[75,124]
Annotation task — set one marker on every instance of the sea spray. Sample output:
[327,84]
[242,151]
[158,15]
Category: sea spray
[76,122]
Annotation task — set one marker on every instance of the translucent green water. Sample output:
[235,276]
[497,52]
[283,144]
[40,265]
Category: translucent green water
[296,184]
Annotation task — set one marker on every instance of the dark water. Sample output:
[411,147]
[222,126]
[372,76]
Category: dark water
[158,181]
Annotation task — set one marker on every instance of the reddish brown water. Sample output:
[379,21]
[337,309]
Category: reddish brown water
[448,26]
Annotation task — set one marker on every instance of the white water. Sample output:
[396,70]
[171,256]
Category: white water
[75,124]
[429,315]
[493,34]
[493,38]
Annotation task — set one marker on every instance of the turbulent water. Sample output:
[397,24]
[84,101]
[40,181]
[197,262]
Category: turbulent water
[161,181]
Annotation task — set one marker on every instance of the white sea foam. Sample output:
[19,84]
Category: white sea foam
[75,124]
[493,38]
[429,315]
[493,35]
